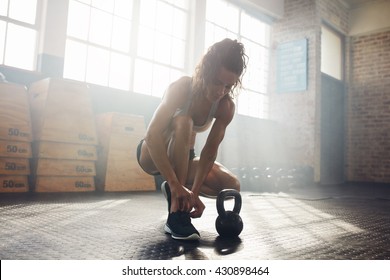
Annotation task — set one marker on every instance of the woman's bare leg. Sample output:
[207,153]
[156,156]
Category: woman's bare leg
[219,178]
[179,146]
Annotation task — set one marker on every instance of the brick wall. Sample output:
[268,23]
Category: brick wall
[296,111]
[334,13]
[368,143]
[299,112]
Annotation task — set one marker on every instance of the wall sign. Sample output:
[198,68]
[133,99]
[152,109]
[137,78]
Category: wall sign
[291,71]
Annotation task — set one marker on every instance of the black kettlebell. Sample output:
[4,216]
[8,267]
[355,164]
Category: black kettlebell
[229,223]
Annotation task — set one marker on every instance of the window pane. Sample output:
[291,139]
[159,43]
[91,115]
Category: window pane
[121,35]
[120,71]
[148,13]
[101,28]
[253,104]
[331,53]
[178,49]
[179,24]
[162,41]
[143,76]
[231,18]
[20,48]
[124,8]
[98,65]
[78,20]
[75,60]
[209,35]
[104,5]
[160,80]
[85,1]
[145,42]
[212,9]
[3,7]
[223,14]
[174,75]
[179,3]
[164,18]
[162,51]
[2,40]
[215,34]
[255,29]
[23,10]
[256,75]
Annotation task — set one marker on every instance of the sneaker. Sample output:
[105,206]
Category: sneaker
[179,226]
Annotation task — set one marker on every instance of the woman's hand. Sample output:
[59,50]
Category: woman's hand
[198,207]
[181,199]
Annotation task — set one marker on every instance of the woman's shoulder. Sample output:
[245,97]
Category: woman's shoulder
[177,92]
[182,83]
[180,87]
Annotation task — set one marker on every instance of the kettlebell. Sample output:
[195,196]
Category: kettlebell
[229,223]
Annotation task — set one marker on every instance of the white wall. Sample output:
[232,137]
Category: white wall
[272,8]
[371,17]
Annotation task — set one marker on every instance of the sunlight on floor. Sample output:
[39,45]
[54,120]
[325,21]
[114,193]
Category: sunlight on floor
[296,225]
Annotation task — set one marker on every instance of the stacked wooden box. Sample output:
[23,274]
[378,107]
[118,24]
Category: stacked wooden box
[64,147]
[15,138]
[117,166]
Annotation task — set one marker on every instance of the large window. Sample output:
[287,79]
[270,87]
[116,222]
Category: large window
[161,44]
[125,44]
[18,33]
[139,45]
[227,20]
[98,43]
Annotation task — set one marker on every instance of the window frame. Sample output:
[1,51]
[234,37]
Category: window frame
[36,27]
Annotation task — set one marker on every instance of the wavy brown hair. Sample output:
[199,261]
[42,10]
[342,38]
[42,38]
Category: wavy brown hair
[227,53]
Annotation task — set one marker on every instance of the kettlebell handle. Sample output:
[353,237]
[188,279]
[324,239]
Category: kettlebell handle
[221,200]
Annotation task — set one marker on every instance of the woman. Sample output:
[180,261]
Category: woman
[189,106]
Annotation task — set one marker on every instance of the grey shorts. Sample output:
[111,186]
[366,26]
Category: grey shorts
[192,156]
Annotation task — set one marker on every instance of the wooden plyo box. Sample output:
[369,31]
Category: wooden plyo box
[15,149]
[64,184]
[61,111]
[13,184]
[63,167]
[63,175]
[117,166]
[15,118]
[14,166]
[57,150]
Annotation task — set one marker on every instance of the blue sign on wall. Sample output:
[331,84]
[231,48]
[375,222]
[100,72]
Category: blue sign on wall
[291,71]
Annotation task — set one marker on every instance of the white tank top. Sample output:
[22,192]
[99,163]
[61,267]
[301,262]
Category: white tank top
[186,107]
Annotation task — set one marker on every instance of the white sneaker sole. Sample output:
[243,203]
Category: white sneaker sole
[163,190]
[193,236]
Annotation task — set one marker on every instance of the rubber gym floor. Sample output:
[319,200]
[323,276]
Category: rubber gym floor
[314,222]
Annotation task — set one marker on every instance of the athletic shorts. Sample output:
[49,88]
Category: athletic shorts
[192,156]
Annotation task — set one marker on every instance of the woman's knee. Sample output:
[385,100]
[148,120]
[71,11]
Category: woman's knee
[235,183]
[230,181]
